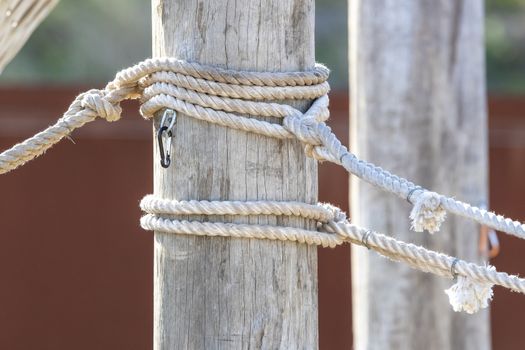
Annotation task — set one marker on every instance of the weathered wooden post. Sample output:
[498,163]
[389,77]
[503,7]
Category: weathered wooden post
[419,110]
[213,293]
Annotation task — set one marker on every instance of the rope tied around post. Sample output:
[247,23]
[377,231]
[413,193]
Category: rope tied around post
[471,292]
[231,99]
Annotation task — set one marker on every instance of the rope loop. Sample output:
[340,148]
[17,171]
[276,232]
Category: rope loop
[332,229]
[239,99]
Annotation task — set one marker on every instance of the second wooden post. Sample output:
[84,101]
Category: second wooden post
[418,110]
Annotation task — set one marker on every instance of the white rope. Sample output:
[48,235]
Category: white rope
[332,229]
[130,83]
[189,91]
[222,96]
[468,296]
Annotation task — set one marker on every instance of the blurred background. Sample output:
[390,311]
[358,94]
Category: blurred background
[77,269]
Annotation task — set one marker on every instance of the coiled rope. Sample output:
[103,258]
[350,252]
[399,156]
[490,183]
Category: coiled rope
[218,96]
[332,229]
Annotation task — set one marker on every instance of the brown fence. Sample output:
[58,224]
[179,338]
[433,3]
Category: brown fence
[77,270]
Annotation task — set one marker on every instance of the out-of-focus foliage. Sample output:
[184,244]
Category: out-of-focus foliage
[331,39]
[87,41]
[505,40]
[84,42]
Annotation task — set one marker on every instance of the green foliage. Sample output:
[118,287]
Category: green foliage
[84,42]
[88,41]
[505,46]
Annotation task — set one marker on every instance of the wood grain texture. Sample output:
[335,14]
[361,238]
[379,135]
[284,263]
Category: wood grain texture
[220,293]
[419,110]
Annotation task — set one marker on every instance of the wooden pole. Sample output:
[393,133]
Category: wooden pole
[419,110]
[213,293]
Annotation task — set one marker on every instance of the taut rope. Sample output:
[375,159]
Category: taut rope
[218,96]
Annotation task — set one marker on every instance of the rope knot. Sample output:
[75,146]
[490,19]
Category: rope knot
[427,213]
[468,295]
[300,129]
[96,101]
[307,130]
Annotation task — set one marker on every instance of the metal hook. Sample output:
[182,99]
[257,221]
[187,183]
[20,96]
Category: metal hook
[488,240]
[164,136]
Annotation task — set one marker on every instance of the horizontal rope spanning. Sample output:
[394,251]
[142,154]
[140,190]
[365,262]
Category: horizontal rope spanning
[129,83]
[317,75]
[195,98]
[263,109]
[218,229]
[84,109]
[231,120]
[309,128]
[333,229]
[334,151]
[225,97]
[246,92]
[432,260]
[321,213]
[402,187]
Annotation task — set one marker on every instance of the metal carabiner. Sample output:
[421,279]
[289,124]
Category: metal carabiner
[164,136]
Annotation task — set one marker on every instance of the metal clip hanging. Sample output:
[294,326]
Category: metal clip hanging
[488,240]
[164,136]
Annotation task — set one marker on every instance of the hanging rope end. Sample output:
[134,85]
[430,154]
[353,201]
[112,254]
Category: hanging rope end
[427,213]
[470,296]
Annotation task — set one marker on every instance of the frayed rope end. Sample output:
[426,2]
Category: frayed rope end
[427,213]
[470,296]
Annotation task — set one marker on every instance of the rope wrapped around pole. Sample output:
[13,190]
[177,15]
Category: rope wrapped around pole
[332,229]
[222,96]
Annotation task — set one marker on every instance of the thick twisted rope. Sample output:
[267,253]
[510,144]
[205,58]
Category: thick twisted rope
[222,97]
[221,103]
[217,95]
[332,229]
[129,84]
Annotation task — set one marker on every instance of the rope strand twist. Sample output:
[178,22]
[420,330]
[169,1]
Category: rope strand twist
[231,99]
